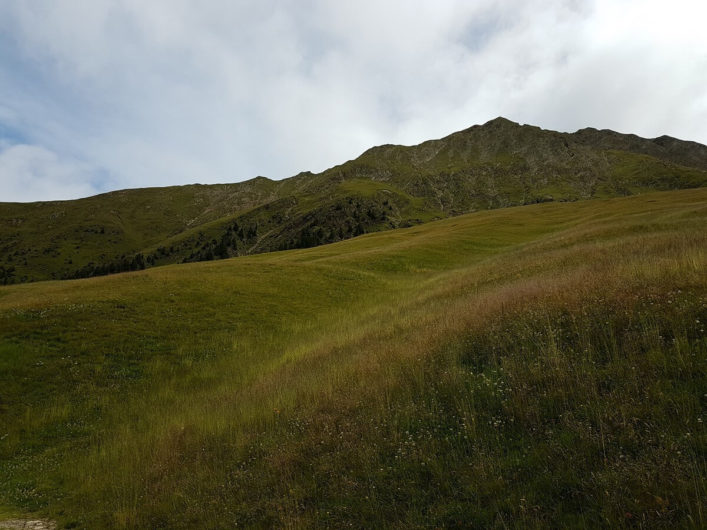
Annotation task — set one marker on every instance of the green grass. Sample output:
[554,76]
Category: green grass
[527,367]
[635,173]
[49,239]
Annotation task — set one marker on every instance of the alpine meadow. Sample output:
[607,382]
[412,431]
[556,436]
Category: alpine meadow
[503,328]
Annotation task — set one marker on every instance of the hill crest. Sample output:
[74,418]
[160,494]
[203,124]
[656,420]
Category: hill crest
[494,165]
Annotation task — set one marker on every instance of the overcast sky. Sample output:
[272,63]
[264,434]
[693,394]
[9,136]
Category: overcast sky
[108,94]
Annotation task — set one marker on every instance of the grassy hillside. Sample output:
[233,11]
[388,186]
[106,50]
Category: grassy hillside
[494,165]
[53,239]
[537,366]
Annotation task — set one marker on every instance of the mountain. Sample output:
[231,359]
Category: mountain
[495,165]
[542,366]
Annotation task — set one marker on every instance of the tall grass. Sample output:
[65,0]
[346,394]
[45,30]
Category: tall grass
[534,367]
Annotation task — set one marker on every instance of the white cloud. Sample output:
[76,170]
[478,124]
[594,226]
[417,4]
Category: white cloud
[31,173]
[177,91]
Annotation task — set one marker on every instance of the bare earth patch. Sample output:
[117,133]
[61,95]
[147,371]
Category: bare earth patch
[27,524]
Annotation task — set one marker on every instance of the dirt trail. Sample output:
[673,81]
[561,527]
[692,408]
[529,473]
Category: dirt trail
[27,524]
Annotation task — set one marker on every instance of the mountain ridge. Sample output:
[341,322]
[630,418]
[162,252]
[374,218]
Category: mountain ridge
[497,164]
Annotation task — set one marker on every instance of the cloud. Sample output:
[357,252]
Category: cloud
[177,91]
[32,173]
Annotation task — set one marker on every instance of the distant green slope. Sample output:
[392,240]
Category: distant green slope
[52,239]
[540,366]
[495,165]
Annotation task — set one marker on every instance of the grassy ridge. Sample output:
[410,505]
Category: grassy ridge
[495,165]
[533,366]
[46,240]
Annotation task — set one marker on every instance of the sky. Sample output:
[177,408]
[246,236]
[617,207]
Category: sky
[112,94]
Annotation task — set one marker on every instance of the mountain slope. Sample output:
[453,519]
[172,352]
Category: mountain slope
[526,367]
[494,165]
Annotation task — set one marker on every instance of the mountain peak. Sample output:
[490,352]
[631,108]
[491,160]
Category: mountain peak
[498,164]
[495,124]
[500,122]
